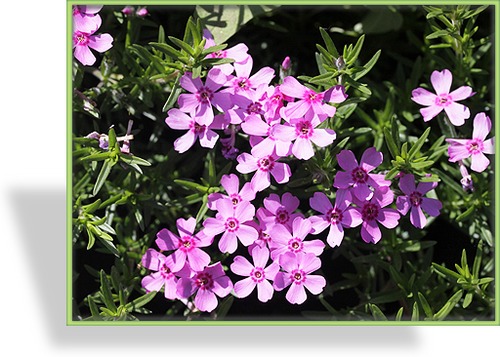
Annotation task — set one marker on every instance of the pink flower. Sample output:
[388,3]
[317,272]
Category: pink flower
[238,53]
[163,275]
[186,245]
[304,132]
[415,201]
[443,99]
[263,230]
[373,211]
[297,273]
[231,184]
[234,222]
[206,284]
[337,217]
[476,147]
[310,100]
[283,241]
[142,12]
[179,120]
[86,18]
[203,97]
[262,138]
[241,83]
[357,176]
[280,211]
[82,42]
[258,274]
[265,166]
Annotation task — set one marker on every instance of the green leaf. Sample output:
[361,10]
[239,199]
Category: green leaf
[96,157]
[203,209]
[105,292]
[377,313]
[446,272]
[476,266]
[330,46]
[352,56]
[167,49]
[110,246]
[391,144]
[448,306]
[437,34]
[140,301]
[132,159]
[467,299]
[91,238]
[103,175]
[94,309]
[418,145]
[192,185]
[415,315]
[183,45]
[399,314]
[174,94]
[425,305]
[368,66]
[224,307]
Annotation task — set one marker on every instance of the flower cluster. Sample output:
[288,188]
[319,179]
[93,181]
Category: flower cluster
[286,120]
[86,22]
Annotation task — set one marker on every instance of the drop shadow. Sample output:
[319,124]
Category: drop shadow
[41,218]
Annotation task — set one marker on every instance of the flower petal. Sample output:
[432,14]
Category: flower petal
[244,287]
[347,161]
[482,126]
[315,284]
[296,294]
[423,97]
[320,202]
[205,300]
[479,162]
[441,81]
[430,112]
[417,217]
[264,291]
[461,93]
[371,159]
[370,232]
[457,113]
[101,42]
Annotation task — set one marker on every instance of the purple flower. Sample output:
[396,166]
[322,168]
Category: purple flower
[357,176]
[262,138]
[297,273]
[373,211]
[280,211]
[179,120]
[258,274]
[476,147]
[206,284]
[443,99]
[337,217]
[231,184]
[234,222]
[163,275]
[283,241]
[186,245]
[304,132]
[202,97]
[415,201]
[310,100]
[265,166]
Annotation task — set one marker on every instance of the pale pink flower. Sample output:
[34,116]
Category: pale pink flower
[83,42]
[264,167]
[239,53]
[297,274]
[476,147]
[231,184]
[262,138]
[242,82]
[258,275]
[443,99]
[163,276]
[86,18]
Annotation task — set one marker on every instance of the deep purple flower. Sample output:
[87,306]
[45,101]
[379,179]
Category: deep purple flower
[297,274]
[358,176]
[415,201]
[443,99]
[476,147]
[258,275]
[337,217]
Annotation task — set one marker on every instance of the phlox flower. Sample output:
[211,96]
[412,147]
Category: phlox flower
[280,210]
[262,228]
[239,53]
[207,285]
[310,100]
[186,245]
[373,211]
[242,82]
[297,274]
[258,275]
[86,18]
[264,167]
[247,106]
[304,132]
[202,97]
[338,216]
[357,176]
[443,99]
[84,41]
[476,147]
[262,138]
[178,120]
[284,241]
[163,275]
[231,184]
[415,202]
[234,222]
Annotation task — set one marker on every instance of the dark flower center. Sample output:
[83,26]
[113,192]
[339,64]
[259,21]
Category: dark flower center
[232,224]
[334,216]
[369,211]
[416,198]
[266,163]
[359,175]
[282,216]
[204,281]
[204,95]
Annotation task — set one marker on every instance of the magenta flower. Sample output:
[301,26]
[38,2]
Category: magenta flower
[86,18]
[310,100]
[443,99]
[242,82]
[203,97]
[257,274]
[280,211]
[337,217]
[83,42]
[265,166]
[234,222]
[297,273]
[262,138]
[207,284]
[304,132]
[163,275]
[231,184]
[357,176]
[373,211]
[283,241]
[186,245]
[263,230]
[247,105]
[415,201]
[238,53]
[476,147]
[179,120]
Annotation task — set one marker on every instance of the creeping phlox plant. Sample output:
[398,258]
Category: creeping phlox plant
[252,235]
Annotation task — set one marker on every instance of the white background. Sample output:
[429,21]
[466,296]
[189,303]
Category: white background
[32,217]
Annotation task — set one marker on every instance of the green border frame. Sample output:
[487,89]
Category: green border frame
[69,131]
